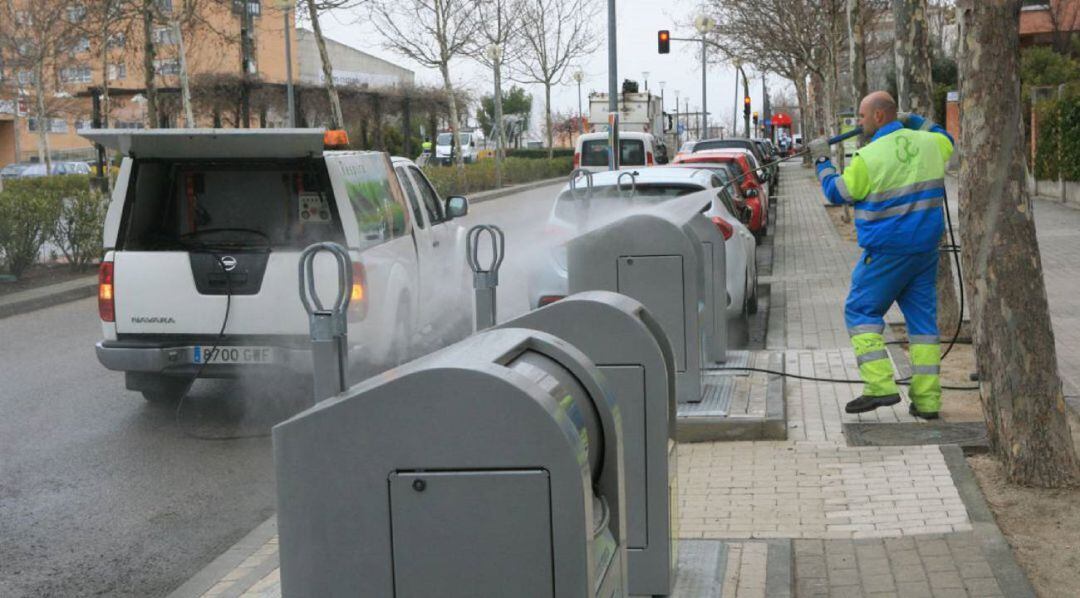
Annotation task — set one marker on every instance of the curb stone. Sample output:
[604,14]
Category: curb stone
[511,190]
[1014,583]
[211,574]
[40,299]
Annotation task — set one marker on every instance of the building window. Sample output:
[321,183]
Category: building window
[165,6]
[253,6]
[81,45]
[83,124]
[76,14]
[117,40]
[117,72]
[127,124]
[26,77]
[168,66]
[164,36]
[53,125]
[76,74]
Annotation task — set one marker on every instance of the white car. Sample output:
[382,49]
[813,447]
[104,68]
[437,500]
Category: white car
[644,187]
[443,149]
[635,149]
[202,243]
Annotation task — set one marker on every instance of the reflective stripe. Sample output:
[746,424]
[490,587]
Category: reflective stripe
[927,124]
[841,187]
[903,210]
[905,190]
[926,370]
[923,339]
[866,329]
[872,356]
[824,172]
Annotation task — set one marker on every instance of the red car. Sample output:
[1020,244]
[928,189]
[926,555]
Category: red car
[748,190]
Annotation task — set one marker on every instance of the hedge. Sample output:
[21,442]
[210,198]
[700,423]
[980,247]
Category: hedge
[480,176]
[540,154]
[61,209]
[1059,123]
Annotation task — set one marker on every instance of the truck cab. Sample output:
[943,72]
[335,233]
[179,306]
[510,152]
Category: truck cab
[202,243]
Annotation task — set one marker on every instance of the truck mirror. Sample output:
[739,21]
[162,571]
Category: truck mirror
[457,206]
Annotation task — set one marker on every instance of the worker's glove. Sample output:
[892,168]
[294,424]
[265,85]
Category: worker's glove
[910,120]
[819,148]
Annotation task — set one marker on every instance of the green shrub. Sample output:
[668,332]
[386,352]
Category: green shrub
[480,176]
[1058,151]
[540,154]
[81,219]
[27,217]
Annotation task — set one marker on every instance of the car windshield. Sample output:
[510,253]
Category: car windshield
[233,203]
[594,152]
[444,138]
[723,144]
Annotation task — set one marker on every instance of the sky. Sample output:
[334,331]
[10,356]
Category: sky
[638,22]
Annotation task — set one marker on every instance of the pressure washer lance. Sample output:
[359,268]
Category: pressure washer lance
[485,279]
[329,327]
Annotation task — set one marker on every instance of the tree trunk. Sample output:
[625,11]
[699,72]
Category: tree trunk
[336,119]
[185,88]
[1014,339]
[149,73]
[915,91]
[455,141]
[43,122]
[804,111]
[547,119]
[857,51]
[500,141]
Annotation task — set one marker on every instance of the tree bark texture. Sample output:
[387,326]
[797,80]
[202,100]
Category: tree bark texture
[455,141]
[43,120]
[915,89]
[1014,339]
[149,72]
[185,87]
[857,51]
[547,119]
[336,119]
[500,141]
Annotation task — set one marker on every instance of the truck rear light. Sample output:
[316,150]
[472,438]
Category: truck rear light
[106,296]
[549,299]
[724,227]
[577,160]
[649,159]
[358,295]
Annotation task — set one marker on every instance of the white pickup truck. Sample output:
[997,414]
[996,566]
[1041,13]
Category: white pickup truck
[202,240]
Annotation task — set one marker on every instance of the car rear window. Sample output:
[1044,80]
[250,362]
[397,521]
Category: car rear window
[595,152]
[175,205]
[610,201]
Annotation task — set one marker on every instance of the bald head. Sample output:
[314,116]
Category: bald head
[876,110]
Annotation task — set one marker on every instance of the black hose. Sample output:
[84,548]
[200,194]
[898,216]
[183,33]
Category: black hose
[901,381]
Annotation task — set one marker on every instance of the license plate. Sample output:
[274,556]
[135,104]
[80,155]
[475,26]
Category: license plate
[232,355]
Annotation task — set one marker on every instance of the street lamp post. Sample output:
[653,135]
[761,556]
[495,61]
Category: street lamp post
[286,7]
[663,115]
[677,122]
[579,76]
[704,24]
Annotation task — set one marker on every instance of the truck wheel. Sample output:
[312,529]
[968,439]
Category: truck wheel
[156,388]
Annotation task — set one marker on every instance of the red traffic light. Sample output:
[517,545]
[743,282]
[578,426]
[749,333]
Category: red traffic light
[663,41]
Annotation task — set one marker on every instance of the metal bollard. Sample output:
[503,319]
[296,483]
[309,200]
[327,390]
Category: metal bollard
[485,280]
[329,327]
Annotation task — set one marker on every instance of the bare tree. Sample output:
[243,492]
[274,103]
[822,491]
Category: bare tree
[191,14]
[857,49]
[107,21]
[1014,339]
[915,93]
[314,8]
[556,34]
[496,43]
[35,36]
[433,33]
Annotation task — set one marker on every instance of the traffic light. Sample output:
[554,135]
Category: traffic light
[746,105]
[755,119]
[663,41]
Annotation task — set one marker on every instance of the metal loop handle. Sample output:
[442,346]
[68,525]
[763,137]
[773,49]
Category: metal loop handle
[498,248]
[574,176]
[633,184]
[307,277]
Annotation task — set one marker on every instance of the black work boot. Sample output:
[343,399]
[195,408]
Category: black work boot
[865,403]
[915,412]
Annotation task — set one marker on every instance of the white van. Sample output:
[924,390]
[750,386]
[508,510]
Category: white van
[202,240]
[443,150]
[635,149]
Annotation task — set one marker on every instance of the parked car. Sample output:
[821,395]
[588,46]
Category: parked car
[202,241]
[444,151]
[749,207]
[635,149]
[772,172]
[37,169]
[752,187]
[610,200]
